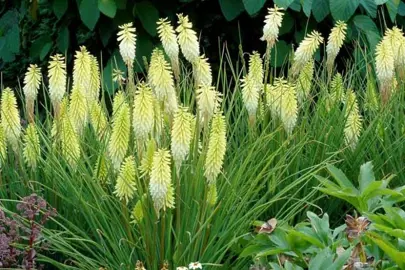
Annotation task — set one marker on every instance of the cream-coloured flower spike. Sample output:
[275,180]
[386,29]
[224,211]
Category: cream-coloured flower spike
[70,144]
[250,95]
[353,120]
[101,168]
[121,128]
[98,120]
[208,102]
[202,72]
[272,25]
[147,159]
[288,106]
[32,150]
[127,39]
[256,69]
[32,82]
[305,51]
[57,79]
[143,112]
[3,146]
[137,213]
[187,39]
[384,62]
[126,182]
[94,80]
[160,76]
[216,148]
[335,42]
[160,180]
[181,136]
[82,71]
[78,111]
[10,117]
[171,104]
[305,81]
[168,38]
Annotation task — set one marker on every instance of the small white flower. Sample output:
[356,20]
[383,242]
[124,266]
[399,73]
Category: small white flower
[195,265]
[181,268]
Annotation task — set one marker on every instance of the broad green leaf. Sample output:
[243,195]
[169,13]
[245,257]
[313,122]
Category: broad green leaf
[307,237]
[341,260]
[397,233]
[279,54]
[287,25]
[254,250]
[107,7]
[253,6]
[401,9]
[121,4]
[106,31]
[271,251]
[307,7]
[365,24]
[59,7]
[397,215]
[45,50]
[144,47]
[338,230]
[370,6]
[290,266]
[231,8]
[63,39]
[343,9]
[341,178]
[320,9]
[366,176]
[320,225]
[380,2]
[392,7]
[36,49]
[283,3]
[296,5]
[322,260]
[148,15]
[88,13]
[389,249]
[10,39]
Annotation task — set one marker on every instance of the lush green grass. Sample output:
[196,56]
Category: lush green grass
[266,174]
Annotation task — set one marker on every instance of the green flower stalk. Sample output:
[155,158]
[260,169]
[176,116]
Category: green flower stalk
[304,82]
[212,196]
[57,81]
[137,212]
[181,136]
[216,148]
[143,113]
[10,118]
[32,82]
[168,38]
[202,72]
[353,120]
[187,39]
[126,182]
[127,40]
[121,128]
[78,111]
[31,150]
[335,42]
[305,51]
[98,120]
[160,185]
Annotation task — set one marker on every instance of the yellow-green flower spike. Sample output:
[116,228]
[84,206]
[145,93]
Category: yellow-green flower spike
[250,95]
[256,69]
[304,82]
[63,111]
[147,159]
[94,80]
[160,185]
[143,114]
[202,72]
[70,145]
[137,212]
[335,42]
[121,128]
[212,196]
[187,39]
[32,82]
[78,111]
[160,76]
[126,182]
[272,24]
[101,168]
[10,118]
[127,39]
[288,107]
[171,103]
[3,147]
[57,79]
[336,92]
[384,63]
[168,38]
[181,135]
[353,124]
[98,120]
[216,148]
[32,150]
[273,99]
[82,71]
[208,102]
[305,51]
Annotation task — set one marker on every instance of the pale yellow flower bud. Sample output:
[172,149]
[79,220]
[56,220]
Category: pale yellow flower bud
[384,62]
[208,102]
[187,39]
[305,51]
[212,196]
[181,135]
[94,80]
[147,159]
[10,117]
[127,39]
[335,42]
[3,147]
[272,25]
[305,81]
[216,148]
[250,95]
[160,76]
[168,38]
[78,111]
[70,143]
[143,112]
[98,120]
[57,79]
[32,150]
[82,71]
[202,72]
[126,182]
[353,120]
[32,82]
